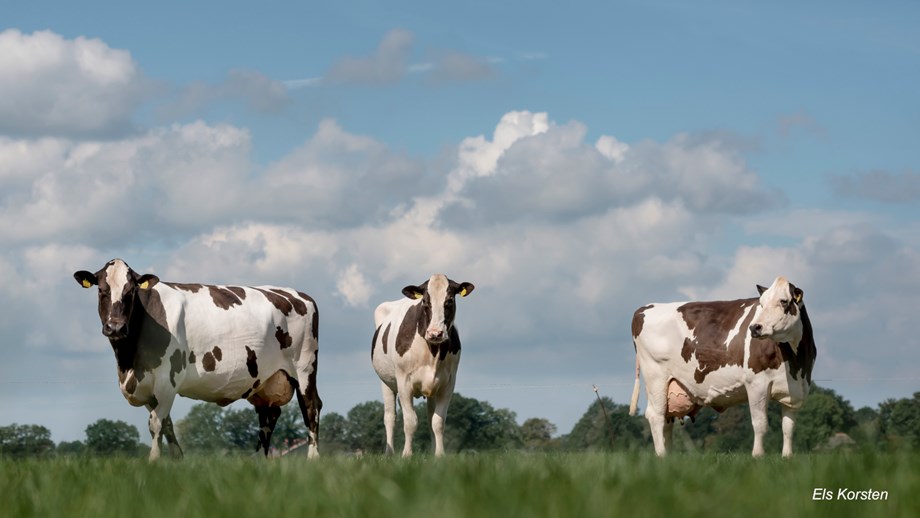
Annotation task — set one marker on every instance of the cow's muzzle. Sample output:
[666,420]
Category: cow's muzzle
[115,329]
[756,330]
[435,336]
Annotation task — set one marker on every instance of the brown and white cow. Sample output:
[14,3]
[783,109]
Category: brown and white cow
[211,343]
[416,351]
[719,354]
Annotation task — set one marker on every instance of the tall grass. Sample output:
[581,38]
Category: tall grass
[513,484]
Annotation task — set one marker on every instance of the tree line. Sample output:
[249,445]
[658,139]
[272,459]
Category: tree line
[825,422]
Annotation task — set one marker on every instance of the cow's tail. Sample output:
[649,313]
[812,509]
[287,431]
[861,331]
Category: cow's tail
[634,401]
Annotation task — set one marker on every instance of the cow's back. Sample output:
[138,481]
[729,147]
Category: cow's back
[237,335]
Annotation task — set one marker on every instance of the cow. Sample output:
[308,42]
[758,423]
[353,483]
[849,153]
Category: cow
[415,351]
[211,343]
[719,354]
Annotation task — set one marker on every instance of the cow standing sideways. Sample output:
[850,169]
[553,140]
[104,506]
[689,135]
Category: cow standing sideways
[719,354]
[416,351]
[212,343]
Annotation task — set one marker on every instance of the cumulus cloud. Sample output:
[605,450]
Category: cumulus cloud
[349,221]
[551,172]
[881,186]
[66,87]
[172,183]
[179,179]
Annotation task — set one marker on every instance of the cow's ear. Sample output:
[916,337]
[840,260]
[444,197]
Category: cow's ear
[761,289]
[466,288]
[85,279]
[413,292]
[147,281]
[797,294]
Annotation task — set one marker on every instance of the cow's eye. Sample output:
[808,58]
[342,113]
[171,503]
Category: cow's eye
[784,302]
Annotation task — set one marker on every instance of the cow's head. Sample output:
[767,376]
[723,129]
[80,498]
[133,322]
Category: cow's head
[780,315]
[438,305]
[118,286]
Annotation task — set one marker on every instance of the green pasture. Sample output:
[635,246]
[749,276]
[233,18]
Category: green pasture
[503,484]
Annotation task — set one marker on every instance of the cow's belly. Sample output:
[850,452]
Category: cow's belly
[237,375]
[429,380]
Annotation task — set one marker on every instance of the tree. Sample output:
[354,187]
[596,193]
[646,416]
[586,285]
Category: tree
[899,422]
[290,427]
[240,429]
[27,440]
[334,431]
[823,414]
[105,437]
[537,434]
[476,425]
[72,448]
[202,429]
[618,430]
[365,427]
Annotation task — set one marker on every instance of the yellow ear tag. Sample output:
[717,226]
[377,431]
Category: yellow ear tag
[418,295]
[798,298]
[463,292]
[145,285]
[86,284]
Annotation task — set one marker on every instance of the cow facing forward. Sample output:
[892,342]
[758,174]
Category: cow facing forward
[719,354]
[416,351]
[212,343]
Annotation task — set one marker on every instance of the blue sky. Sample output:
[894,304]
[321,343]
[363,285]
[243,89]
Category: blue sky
[575,162]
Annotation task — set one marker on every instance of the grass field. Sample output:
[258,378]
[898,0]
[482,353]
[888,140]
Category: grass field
[512,484]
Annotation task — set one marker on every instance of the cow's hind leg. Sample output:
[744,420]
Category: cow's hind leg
[656,409]
[174,449]
[310,406]
[268,418]
[159,422]
[389,414]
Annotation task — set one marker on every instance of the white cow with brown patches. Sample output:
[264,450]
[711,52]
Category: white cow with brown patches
[719,354]
[212,343]
[416,351]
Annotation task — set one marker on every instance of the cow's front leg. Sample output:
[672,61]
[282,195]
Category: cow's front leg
[757,399]
[788,428]
[410,420]
[437,414]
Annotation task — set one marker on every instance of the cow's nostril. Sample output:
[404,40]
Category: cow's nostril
[756,329]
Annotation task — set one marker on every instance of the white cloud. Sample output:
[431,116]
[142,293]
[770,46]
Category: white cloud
[353,287]
[349,221]
[58,86]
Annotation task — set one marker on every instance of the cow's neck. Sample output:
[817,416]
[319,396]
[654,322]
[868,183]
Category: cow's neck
[126,348]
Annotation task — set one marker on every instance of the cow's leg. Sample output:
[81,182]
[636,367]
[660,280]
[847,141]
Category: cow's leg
[657,393]
[667,432]
[268,418]
[174,449]
[389,414]
[308,399]
[159,422]
[788,428]
[437,415]
[410,419]
[757,399]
